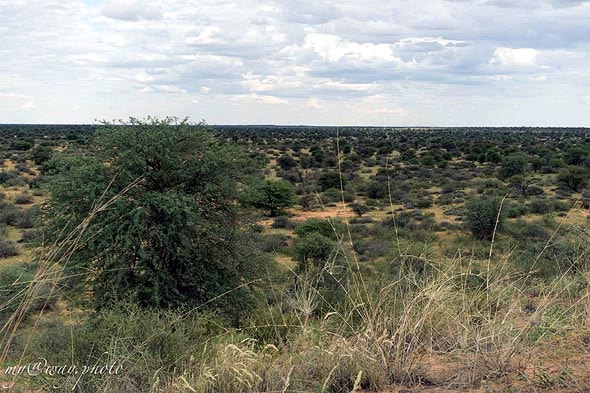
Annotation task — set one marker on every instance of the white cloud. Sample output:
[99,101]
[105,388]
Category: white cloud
[167,89]
[143,77]
[538,77]
[10,94]
[386,111]
[334,49]
[28,106]
[131,10]
[586,99]
[266,99]
[521,57]
[314,103]
[86,59]
[340,62]
[311,12]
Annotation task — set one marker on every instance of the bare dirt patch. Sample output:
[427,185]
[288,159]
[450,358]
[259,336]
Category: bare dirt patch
[340,210]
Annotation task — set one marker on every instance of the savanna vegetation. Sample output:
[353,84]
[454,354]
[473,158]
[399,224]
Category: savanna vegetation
[158,255]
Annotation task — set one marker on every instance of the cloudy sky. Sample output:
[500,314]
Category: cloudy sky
[316,62]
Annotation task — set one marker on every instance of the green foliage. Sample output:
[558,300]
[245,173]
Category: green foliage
[7,249]
[282,222]
[24,198]
[14,280]
[286,162]
[527,231]
[515,210]
[481,217]
[140,340]
[377,190]
[21,145]
[335,195]
[173,239]
[271,195]
[493,155]
[314,249]
[323,227]
[359,208]
[329,180]
[576,155]
[573,178]
[514,164]
[41,154]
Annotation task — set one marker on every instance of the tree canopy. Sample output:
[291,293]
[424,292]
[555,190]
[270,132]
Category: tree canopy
[172,239]
[271,196]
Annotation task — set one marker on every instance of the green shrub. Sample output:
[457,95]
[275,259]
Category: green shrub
[282,222]
[17,181]
[314,249]
[329,180]
[515,210]
[273,243]
[24,198]
[151,346]
[323,227]
[359,208]
[541,206]
[8,249]
[482,217]
[14,282]
[523,230]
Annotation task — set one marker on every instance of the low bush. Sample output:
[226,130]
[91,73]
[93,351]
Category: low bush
[8,249]
[24,198]
[283,222]
[15,282]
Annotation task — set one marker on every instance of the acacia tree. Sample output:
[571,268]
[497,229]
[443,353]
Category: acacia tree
[271,196]
[516,170]
[172,240]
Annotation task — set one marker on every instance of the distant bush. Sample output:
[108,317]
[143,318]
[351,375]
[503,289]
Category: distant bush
[541,206]
[573,178]
[17,181]
[362,220]
[283,222]
[5,176]
[359,209]
[377,190]
[482,217]
[372,248]
[314,249]
[515,210]
[10,214]
[14,280]
[323,227]
[522,230]
[22,167]
[423,203]
[29,236]
[20,145]
[445,199]
[334,195]
[273,242]
[8,249]
[329,180]
[24,198]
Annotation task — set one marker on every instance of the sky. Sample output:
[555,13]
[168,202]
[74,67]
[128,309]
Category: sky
[312,62]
